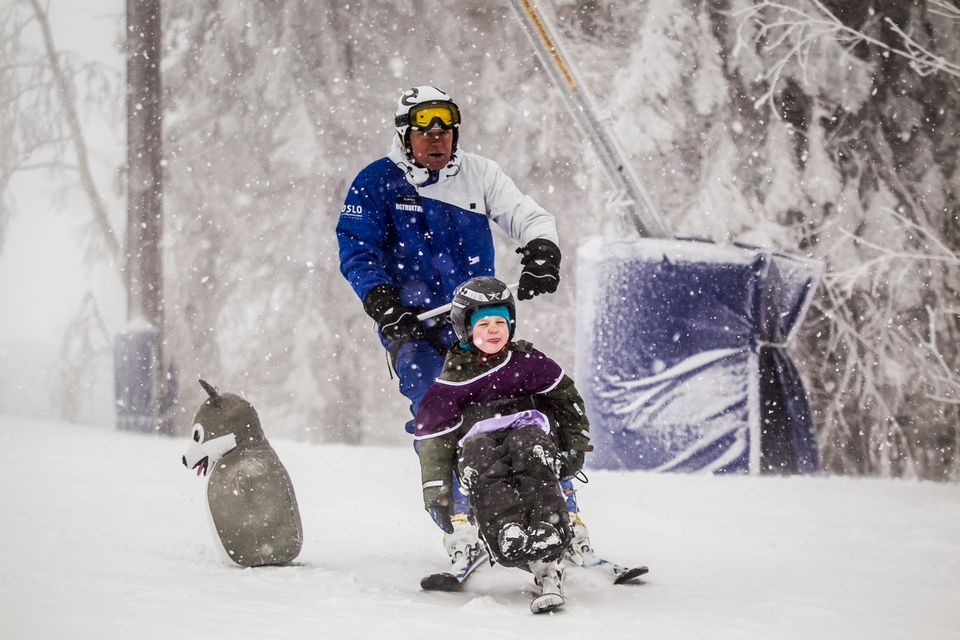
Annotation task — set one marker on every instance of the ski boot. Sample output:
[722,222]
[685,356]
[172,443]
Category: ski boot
[463,545]
[549,577]
[466,552]
[580,551]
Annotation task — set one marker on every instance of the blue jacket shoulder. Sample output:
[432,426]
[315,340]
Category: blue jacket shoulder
[379,175]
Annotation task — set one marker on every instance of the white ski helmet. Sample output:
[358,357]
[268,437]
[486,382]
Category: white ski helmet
[425,107]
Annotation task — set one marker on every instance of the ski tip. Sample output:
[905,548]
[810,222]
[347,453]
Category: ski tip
[441,582]
[631,574]
[546,603]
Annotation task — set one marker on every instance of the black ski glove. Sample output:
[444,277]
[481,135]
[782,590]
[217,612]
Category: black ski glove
[541,268]
[571,462]
[397,322]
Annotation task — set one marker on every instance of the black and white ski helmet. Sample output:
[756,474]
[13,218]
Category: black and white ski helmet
[476,293]
[418,98]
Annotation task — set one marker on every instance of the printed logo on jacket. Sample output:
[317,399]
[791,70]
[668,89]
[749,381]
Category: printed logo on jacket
[351,211]
[409,203]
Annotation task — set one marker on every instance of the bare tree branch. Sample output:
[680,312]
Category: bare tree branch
[944,9]
[76,133]
[38,166]
[799,30]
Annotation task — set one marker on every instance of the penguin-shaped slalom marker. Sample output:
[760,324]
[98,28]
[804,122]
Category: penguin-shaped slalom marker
[249,492]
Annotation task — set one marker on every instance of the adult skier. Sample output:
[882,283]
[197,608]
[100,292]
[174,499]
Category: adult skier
[414,225]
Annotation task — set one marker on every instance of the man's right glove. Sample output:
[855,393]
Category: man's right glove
[541,268]
[571,462]
[382,303]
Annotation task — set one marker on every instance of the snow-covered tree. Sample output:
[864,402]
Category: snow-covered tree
[47,96]
[818,127]
[826,129]
[823,129]
[273,109]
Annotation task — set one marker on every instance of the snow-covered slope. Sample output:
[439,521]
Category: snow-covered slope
[105,534]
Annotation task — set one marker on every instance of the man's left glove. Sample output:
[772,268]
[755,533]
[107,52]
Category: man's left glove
[541,268]
[571,462]
[382,303]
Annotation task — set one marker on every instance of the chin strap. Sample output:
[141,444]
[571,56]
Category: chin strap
[415,174]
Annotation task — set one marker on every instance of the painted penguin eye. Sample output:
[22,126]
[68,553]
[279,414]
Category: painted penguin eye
[197,432]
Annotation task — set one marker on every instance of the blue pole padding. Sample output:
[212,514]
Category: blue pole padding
[136,380]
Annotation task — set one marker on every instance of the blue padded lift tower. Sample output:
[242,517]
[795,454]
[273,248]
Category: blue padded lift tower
[681,356]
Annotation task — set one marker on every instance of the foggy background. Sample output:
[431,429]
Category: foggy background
[823,129]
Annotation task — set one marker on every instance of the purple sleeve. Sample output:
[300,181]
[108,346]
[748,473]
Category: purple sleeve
[544,373]
[440,411]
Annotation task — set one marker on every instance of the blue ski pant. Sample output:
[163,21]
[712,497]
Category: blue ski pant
[417,364]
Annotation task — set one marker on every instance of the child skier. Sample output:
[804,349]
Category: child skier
[512,424]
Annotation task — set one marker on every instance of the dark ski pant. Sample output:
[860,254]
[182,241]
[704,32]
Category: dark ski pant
[512,479]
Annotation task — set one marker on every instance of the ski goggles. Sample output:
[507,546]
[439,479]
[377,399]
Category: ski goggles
[431,114]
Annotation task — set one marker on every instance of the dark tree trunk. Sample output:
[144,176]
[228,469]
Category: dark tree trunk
[144,239]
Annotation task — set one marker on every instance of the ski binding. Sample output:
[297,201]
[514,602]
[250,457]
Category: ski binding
[621,574]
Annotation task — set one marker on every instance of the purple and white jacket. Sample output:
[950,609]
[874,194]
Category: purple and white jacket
[470,399]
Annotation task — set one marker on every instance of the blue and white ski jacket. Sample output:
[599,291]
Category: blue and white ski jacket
[427,232]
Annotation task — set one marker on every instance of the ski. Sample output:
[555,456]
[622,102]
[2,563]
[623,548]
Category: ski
[453,580]
[621,574]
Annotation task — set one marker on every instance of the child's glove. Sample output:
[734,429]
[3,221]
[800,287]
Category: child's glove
[541,268]
[441,515]
[382,303]
[437,500]
[571,462]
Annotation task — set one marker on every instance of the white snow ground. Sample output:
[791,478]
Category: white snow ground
[105,534]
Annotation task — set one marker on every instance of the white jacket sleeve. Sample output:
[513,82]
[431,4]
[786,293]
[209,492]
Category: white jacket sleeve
[517,214]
